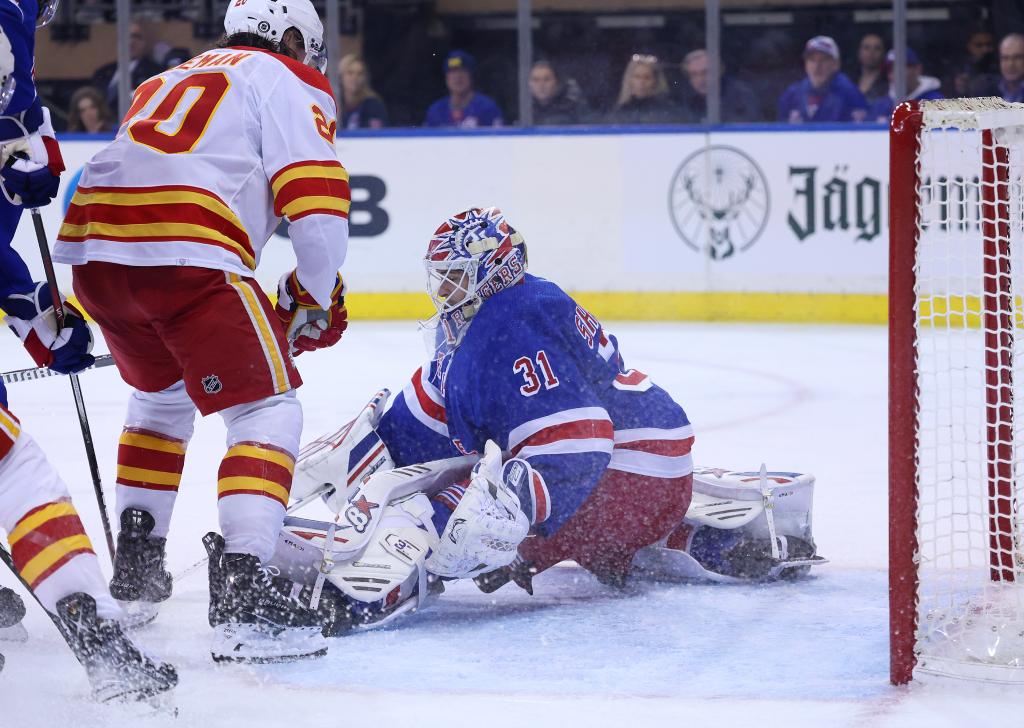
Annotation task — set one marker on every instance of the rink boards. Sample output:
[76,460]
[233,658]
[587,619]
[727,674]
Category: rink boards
[754,224]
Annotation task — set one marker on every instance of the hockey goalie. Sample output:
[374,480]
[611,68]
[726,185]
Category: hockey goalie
[524,442]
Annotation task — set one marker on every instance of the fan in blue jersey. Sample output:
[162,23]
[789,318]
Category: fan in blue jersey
[48,544]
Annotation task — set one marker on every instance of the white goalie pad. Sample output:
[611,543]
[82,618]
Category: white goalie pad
[330,466]
[771,509]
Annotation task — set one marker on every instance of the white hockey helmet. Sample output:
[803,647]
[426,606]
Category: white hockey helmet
[271,18]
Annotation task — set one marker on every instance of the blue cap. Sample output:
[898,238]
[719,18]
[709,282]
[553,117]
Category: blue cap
[459,60]
[912,59]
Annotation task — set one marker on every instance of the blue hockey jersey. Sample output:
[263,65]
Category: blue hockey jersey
[23,116]
[538,374]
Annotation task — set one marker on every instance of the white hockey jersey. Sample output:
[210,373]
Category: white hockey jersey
[210,156]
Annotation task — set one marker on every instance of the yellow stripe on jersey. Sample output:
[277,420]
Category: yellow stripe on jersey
[53,553]
[149,442]
[316,171]
[145,475]
[247,484]
[158,197]
[296,207]
[37,519]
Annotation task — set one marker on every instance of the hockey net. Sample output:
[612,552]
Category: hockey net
[956,340]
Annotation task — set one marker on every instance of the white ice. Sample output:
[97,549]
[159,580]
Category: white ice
[811,653]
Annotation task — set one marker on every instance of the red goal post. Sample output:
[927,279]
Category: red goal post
[956,277]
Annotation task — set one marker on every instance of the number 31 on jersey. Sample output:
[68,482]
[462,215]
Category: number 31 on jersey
[524,367]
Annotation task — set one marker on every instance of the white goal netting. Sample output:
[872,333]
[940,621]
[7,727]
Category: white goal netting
[970,372]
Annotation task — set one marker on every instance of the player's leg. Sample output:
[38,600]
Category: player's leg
[150,459]
[157,428]
[54,556]
[250,380]
[625,513]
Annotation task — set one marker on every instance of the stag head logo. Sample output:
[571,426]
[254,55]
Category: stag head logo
[719,201]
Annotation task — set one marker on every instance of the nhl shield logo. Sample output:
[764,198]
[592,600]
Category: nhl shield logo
[211,384]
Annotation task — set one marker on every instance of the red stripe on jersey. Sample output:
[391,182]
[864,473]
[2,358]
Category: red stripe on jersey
[145,214]
[318,211]
[255,491]
[541,505]
[432,409]
[314,163]
[312,186]
[667,448]
[577,430]
[631,377]
[366,461]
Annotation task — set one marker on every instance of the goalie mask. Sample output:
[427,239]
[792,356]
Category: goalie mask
[271,18]
[472,256]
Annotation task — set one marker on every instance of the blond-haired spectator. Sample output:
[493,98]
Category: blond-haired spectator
[644,97]
[88,112]
[361,106]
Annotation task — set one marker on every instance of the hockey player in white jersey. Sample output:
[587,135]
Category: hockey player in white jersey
[164,233]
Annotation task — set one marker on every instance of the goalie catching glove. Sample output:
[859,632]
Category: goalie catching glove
[307,325]
[31,167]
[488,522]
[31,316]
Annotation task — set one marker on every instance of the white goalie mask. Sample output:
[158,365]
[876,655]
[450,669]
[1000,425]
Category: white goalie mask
[271,18]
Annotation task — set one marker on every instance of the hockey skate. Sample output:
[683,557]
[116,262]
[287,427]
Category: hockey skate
[118,671]
[12,611]
[140,580]
[257,617]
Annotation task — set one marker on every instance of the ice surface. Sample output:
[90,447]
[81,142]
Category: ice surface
[812,653]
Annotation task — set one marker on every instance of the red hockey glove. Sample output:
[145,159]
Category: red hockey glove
[306,325]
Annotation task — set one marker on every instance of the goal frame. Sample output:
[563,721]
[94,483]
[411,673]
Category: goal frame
[997,322]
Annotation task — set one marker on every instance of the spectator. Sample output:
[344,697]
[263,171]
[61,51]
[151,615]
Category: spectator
[88,112]
[644,98]
[825,94]
[978,61]
[555,101]
[739,103]
[361,106]
[1009,84]
[464,107]
[872,80]
[142,67]
[919,86]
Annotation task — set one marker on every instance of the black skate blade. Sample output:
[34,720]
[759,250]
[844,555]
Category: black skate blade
[226,659]
[143,703]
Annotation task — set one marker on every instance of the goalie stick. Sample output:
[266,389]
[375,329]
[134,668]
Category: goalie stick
[76,386]
[25,375]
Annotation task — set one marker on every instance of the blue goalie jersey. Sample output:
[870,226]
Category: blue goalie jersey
[537,373]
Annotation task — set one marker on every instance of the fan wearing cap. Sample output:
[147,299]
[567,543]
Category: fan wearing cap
[463,107]
[826,94]
[919,86]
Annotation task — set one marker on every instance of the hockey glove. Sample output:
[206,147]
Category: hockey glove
[31,316]
[307,326]
[31,167]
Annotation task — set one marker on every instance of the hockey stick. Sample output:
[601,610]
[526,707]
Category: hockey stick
[8,560]
[25,375]
[76,386]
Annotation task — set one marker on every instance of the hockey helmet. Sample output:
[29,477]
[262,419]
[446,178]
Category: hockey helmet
[271,18]
[471,256]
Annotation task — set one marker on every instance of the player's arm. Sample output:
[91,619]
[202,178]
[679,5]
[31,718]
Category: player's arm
[30,159]
[415,428]
[310,188]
